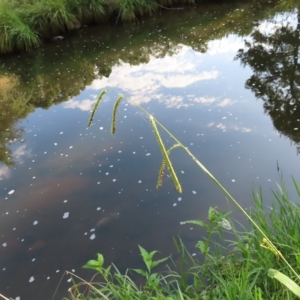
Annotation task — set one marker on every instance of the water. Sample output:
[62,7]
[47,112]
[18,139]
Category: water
[68,191]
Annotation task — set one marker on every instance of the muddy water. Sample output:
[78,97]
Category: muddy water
[224,82]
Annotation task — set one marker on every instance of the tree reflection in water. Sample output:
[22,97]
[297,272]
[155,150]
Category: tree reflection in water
[273,58]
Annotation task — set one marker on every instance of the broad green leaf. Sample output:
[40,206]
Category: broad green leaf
[153,276]
[197,222]
[225,224]
[285,280]
[211,214]
[151,254]
[141,272]
[220,216]
[202,246]
[100,259]
[143,252]
[107,272]
[146,257]
[92,264]
[157,262]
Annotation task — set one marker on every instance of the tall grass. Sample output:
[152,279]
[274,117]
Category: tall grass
[130,10]
[15,33]
[88,10]
[244,268]
[50,16]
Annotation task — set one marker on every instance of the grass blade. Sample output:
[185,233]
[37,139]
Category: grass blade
[285,280]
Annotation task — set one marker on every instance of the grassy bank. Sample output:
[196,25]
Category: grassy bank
[25,24]
[235,268]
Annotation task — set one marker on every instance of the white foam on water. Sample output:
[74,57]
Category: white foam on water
[174,204]
[194,192]
[179,199]
[92,236]
[98,208]
[65,201]
[4,244]
[66,215]
[148,154]
[11,192]
[31,279]
[35,222]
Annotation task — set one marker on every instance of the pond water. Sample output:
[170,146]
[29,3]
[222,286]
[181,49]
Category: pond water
[225,82]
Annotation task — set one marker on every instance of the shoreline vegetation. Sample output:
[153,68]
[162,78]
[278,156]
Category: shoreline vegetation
[232,261]
[26,24]
[238,266]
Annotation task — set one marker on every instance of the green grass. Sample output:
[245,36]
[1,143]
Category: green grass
[15,33]
[232,269]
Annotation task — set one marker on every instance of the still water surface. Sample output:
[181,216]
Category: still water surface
[229,93]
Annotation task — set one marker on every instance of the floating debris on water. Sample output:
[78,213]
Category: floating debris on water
[66,215]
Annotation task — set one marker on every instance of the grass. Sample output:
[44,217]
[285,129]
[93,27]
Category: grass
[259,262]
[15,33]
[233,269]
